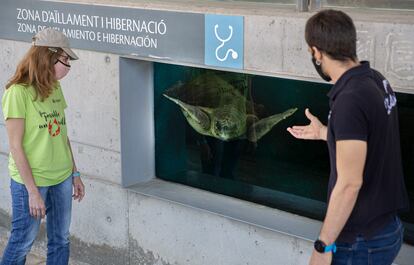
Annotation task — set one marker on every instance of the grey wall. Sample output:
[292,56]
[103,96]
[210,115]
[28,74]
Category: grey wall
[137,121]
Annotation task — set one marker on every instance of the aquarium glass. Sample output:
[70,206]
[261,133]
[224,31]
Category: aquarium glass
[254,163]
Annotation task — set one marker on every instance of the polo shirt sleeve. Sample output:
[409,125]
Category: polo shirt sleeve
[350,119]
[14,102]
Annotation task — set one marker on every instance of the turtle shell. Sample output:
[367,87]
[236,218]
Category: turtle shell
[210,90]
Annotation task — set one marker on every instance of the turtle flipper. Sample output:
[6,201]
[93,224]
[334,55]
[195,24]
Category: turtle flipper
[176,91]
[197,118]
[263,126]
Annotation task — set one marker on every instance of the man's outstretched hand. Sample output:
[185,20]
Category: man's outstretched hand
[315,130]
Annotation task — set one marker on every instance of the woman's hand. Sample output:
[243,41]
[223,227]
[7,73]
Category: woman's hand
[78,189]
[315,130]
[36,204]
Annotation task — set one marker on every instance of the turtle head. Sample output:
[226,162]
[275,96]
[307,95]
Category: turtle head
[227,125]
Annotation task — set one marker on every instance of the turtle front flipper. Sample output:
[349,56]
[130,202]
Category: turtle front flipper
[197,118]
[263,126]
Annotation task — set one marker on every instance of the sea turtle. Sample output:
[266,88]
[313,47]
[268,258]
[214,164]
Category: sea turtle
[213,107]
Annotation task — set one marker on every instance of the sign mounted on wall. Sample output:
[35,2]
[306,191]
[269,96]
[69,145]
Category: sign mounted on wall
[224,41]
[166,35]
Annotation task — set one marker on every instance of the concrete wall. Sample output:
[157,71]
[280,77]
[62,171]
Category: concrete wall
[116,226]
[284,50]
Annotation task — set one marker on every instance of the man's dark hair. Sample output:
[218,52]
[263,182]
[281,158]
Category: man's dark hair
[332,32]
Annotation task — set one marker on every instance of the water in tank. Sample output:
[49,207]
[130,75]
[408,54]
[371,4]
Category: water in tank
[226,132]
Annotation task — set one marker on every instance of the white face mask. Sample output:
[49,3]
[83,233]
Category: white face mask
[62,67]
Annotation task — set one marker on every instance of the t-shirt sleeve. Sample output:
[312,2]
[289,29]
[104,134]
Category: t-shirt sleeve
[14,102]
[350,119]
[64,105]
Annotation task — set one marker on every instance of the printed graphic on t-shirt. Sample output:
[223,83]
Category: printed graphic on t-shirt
[390,100]
[54,128]
[52,122]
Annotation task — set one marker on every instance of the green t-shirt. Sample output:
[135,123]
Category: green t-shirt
[45,136]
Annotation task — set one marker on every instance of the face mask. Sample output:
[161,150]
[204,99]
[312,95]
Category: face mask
[61,69]
[318,68]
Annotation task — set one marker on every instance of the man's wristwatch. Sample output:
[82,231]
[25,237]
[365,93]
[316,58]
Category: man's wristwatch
[321,247]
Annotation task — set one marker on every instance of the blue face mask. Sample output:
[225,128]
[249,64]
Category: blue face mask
[318,68]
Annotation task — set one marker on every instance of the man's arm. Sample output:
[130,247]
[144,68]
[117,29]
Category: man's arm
[350,157]
[350,162]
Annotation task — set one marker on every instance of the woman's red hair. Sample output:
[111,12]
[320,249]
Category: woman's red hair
[37,69]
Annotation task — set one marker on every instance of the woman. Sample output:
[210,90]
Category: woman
[41,162]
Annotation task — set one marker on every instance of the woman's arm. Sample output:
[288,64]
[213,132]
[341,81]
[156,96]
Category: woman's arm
[15,131]
[78,187]
[74,169]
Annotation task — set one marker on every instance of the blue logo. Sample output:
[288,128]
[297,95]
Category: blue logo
[224,41]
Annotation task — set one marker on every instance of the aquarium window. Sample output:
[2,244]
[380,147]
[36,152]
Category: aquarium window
[226,133]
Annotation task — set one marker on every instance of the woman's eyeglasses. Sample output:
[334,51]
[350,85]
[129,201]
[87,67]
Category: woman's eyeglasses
[63,59]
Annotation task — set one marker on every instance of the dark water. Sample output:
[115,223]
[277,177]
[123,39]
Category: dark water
[278,170]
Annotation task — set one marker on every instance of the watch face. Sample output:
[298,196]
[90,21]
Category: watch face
[319,246]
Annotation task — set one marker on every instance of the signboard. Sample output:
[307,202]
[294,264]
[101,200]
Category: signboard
[224,41]
[167,35]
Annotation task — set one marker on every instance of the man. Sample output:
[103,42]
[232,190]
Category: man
[366,186]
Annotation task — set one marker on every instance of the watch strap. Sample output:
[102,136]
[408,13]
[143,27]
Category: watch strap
[330,248]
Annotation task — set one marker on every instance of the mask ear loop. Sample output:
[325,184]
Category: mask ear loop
[65,64]
[316,61]
[57,60]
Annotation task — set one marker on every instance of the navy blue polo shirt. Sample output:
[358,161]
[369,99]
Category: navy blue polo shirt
[363,107]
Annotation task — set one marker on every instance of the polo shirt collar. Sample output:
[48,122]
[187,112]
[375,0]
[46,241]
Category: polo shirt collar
[363,68]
